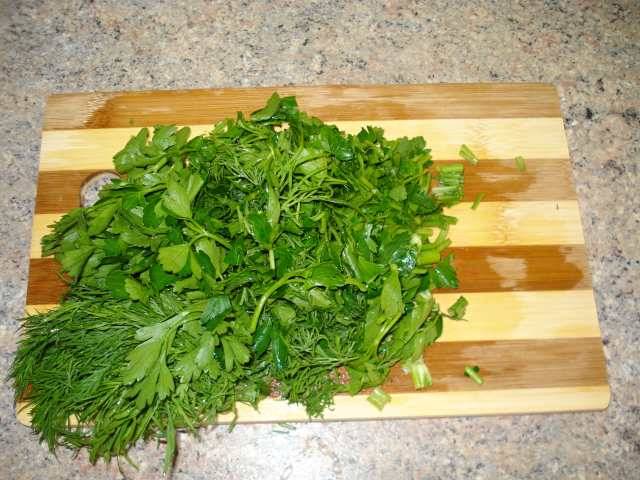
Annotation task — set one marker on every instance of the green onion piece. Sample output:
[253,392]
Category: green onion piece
[520,164]
[428,256]
[458,309]
[419,373]
[466,153]
[450,185]
[477,200]
[473,374]
[378,398]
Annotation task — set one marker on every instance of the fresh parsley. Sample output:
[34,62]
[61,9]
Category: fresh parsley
[274,250]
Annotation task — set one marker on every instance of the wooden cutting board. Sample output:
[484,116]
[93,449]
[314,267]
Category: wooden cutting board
[521,257]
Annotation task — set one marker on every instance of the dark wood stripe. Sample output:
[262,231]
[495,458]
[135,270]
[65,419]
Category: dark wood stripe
[500,180]
[480,269]
[58,192]
[510,364]
[335,102]
[45,286]
[522,267]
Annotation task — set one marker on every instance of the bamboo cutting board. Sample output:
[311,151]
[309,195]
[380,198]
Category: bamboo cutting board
[520,256]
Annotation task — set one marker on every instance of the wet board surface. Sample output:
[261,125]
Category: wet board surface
[521,257]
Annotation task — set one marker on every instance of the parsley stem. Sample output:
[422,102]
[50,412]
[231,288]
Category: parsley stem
[272,259]
[204,233]
[287,278]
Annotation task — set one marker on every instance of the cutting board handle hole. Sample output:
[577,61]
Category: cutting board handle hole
[92,185]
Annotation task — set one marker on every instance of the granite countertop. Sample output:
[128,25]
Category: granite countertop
[591,51]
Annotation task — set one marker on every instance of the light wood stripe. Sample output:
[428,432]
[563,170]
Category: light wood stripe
[437,404]
[517,223]
[330,103]
[499,180]
[542,138]
[532,315]
[492,224]
[422,404]
[480,269]
[522,316]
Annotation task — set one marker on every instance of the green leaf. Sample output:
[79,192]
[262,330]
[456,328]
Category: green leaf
[115,282]
[174,258]
[391,296]
[159,278]
[136,290]
[147,388]
[398,193]
[284,313]
[165,382]
[131,155]
[262,338]
[182,136]
[191,365]
[195,266]
[102,219]
[204,356]
[326,275]
[520,164]
[364,270]
[235,254]
[260,228]
[235,353]
[273,206]
[141,359]
[458,309]
[216,309]
[269,110]
[176,199]
[73,261]
[214,253]
[164,136]
[444,275]
[194,184]
[280,350]
[410,323]
[150,217]
[189,283]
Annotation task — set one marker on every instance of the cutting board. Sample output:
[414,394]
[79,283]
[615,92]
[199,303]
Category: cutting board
[521,258]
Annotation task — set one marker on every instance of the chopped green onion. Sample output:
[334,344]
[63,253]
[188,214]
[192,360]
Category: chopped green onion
[378,398]
[473,374]
[419,373]
[428,255]
[477,200]
[466,153]
[520,164]
[458,309]
[450,183]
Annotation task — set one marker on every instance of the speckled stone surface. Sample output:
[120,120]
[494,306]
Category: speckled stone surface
[589,50]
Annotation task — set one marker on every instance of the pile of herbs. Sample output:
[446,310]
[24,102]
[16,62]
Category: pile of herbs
[275,253]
